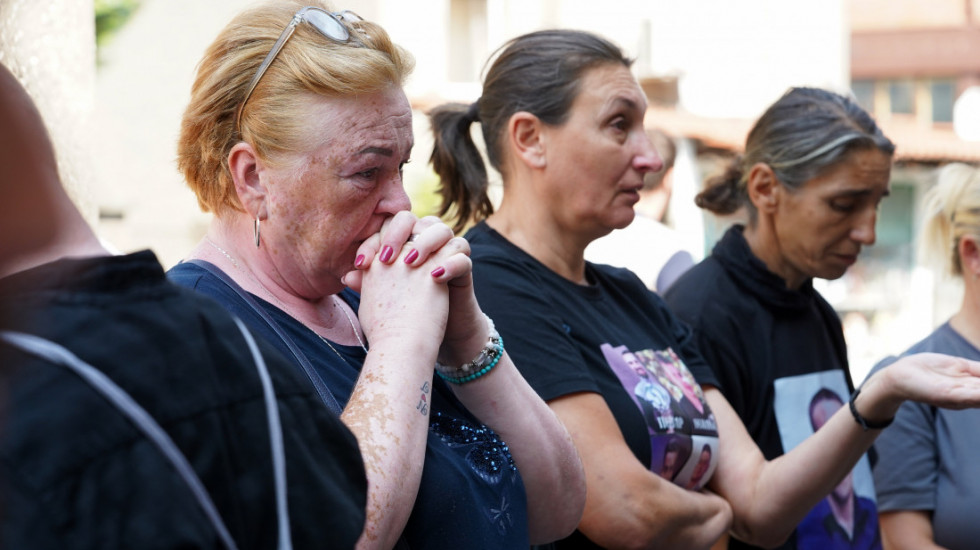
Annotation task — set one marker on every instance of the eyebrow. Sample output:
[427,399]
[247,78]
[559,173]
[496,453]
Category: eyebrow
[860,193]
[376,151]
[627,102]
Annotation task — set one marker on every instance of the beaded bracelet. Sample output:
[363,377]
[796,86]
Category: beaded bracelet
[864,422]
[484,362]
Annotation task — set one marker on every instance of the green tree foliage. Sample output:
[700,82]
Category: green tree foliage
[110,15]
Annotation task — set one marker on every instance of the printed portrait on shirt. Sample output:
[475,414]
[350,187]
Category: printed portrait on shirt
[683,432]
[847,518]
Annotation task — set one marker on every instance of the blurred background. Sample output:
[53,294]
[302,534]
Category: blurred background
[112,77]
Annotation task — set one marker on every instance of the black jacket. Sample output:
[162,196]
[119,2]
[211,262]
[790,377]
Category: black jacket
[77,474]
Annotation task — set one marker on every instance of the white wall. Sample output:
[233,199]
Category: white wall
[735,58]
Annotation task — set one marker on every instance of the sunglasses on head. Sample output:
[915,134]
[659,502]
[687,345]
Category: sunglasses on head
[330,25]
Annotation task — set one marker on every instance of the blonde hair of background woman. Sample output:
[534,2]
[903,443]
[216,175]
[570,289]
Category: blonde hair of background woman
[952,208]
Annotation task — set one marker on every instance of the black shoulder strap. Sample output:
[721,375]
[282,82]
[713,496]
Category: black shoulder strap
[318,384]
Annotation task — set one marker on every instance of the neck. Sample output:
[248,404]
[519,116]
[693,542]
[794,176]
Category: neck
[843,511]
[229,244]
[765,246]
[73,239]
[967,320]
[536,232]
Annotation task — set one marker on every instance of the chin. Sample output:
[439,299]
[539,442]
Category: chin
[831,274]
[623,220]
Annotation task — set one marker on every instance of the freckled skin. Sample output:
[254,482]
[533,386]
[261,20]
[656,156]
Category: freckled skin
[325,201]
[364,415]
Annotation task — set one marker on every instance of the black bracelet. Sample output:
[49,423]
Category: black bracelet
[864,422]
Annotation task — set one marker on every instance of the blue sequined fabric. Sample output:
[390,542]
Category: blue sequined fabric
[488,455]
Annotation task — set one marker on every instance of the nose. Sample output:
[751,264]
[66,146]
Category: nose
[864,230]
[647,159]
[395,198]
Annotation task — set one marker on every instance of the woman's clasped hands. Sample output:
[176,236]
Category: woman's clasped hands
[416,269]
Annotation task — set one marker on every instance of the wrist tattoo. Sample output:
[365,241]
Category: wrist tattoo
[423,406]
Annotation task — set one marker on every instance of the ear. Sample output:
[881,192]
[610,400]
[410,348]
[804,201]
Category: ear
[969,251]
[527,138]
[244,166]
[763,188]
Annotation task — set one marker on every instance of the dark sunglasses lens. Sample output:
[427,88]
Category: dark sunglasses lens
[330,27]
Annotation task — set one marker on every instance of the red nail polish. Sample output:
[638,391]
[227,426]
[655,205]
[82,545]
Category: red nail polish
[411,256]
[386,253]
[438,272]
[359,261]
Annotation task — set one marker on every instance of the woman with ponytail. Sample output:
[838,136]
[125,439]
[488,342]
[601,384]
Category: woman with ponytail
[562,119]
[814,170]
[928,490]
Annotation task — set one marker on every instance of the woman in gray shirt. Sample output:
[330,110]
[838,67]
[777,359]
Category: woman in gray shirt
[926,479]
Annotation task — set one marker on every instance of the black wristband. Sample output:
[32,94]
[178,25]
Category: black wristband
[864,422]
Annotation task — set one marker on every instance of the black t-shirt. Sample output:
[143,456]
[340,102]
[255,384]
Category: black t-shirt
[775,351]
[78,474]
[613,337]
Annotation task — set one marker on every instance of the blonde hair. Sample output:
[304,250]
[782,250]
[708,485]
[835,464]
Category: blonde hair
[952,210]
[274,122]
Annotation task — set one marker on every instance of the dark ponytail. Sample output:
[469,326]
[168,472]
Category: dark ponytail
[456,160]
[725,193]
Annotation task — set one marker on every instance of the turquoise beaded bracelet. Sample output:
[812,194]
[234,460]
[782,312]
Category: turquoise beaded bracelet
[484,362]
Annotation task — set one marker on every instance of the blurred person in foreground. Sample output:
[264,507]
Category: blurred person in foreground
[138,414]
[926,478]
[647,246]
[295,138]
[814,170]
[562,117]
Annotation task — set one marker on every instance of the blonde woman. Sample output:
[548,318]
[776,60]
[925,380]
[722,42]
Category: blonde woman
[926,479]
[295,137]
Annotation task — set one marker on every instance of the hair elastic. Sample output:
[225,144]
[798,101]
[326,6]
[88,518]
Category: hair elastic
[473,113]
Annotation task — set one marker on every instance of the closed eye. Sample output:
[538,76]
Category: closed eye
[368,174]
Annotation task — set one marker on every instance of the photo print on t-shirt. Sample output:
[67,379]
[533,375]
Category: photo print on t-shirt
[848,517]
[683,431]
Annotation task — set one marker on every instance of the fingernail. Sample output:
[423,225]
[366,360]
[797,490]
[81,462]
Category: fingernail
[359,261]
[438,272]
[411,256]
[386,253]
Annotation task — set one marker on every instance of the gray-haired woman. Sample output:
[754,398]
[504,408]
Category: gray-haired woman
[814,170]
[928,493]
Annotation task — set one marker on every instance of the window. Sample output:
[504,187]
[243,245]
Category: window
[943,95]
[901,94]
[864,93]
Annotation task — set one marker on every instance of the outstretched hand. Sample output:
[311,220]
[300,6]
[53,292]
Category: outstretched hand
[941,380]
